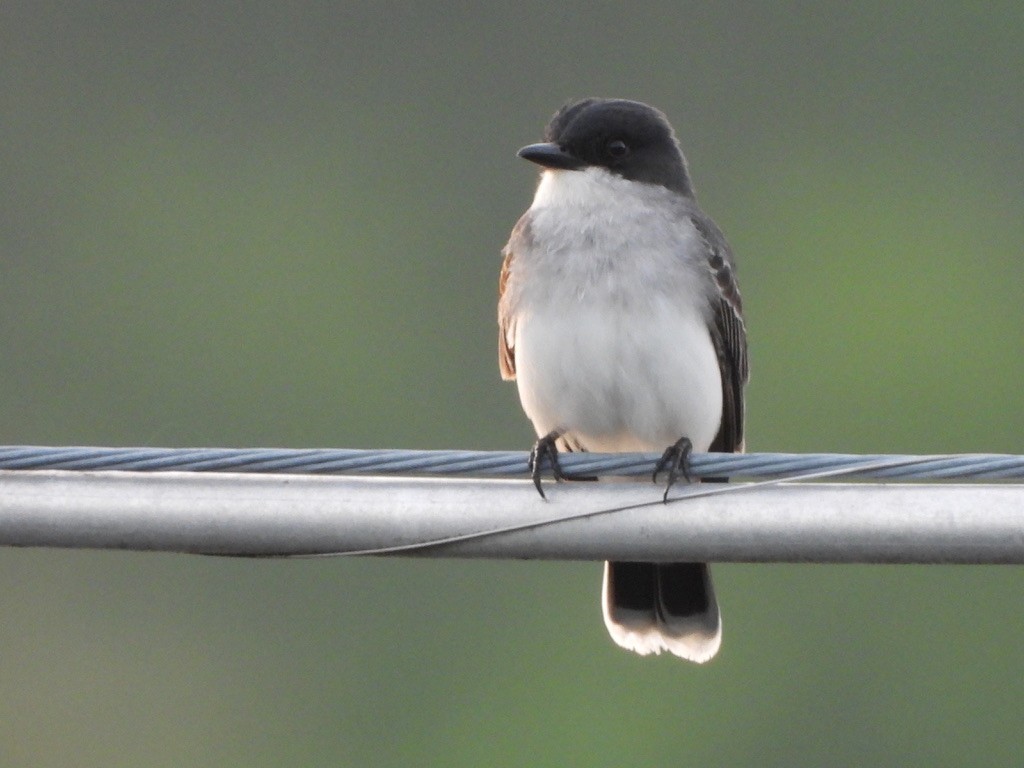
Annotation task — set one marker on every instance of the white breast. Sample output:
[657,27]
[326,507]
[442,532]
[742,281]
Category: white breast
[610,333]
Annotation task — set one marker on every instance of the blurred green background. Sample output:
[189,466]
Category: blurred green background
[273,224]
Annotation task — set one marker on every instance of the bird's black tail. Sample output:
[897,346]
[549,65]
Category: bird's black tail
[655,607]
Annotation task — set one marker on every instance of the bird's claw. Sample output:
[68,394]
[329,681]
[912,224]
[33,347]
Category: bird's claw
[676,462]
[545,451]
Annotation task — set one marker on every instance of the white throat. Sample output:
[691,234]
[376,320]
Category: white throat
[590,187]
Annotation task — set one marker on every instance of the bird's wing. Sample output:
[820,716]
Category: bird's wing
[506,350]
[506,324]
[729,335]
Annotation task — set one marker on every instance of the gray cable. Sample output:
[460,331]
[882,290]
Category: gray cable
[504,463]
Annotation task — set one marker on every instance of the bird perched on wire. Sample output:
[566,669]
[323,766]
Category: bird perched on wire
[621,322]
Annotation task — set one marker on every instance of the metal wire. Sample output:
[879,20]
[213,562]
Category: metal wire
[265,515]
[506,463]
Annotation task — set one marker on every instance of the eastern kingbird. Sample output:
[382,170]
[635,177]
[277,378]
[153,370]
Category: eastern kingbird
[620,320]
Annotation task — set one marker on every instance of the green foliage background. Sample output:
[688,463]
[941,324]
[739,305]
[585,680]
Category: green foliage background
[278,225]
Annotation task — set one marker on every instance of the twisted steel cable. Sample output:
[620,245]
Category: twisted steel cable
[506,463]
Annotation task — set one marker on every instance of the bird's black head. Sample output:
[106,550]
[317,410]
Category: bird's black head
[628,138]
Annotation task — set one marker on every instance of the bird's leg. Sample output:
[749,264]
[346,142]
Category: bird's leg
[676,462]
[545,450]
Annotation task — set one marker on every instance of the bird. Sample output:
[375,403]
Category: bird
[621,322]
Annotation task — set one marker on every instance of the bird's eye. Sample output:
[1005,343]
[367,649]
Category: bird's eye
[617,149]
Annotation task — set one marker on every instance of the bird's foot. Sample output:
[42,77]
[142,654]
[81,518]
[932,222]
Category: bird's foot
[545,452]
[675,461]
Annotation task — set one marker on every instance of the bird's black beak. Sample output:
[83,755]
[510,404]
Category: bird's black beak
[550,156]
